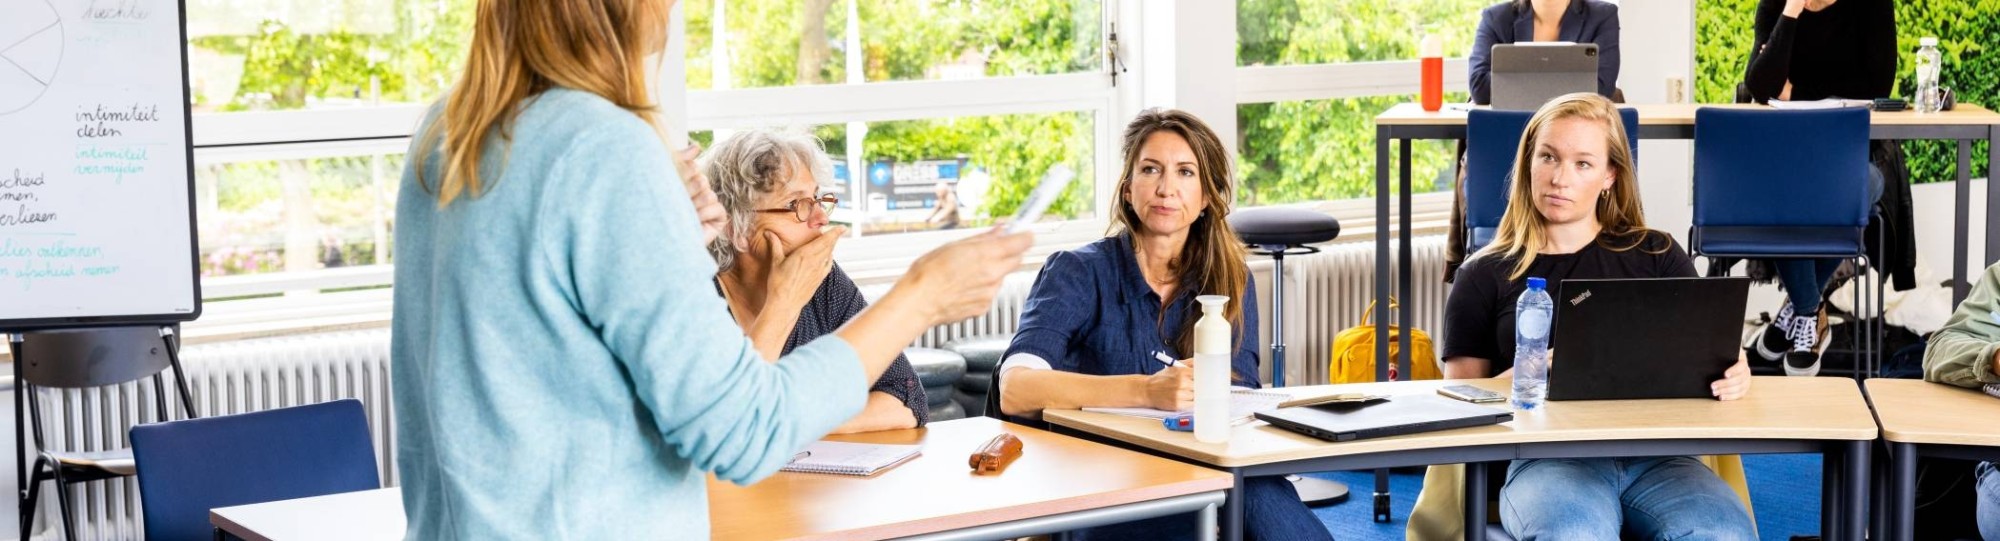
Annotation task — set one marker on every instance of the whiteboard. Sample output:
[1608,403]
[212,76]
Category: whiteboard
[96,176]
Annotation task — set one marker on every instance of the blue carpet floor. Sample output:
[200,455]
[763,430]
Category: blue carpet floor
[1784,494]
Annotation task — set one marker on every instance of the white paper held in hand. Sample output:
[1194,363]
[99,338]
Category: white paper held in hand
[1045,194]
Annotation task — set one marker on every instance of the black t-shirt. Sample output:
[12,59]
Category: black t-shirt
[1479,313]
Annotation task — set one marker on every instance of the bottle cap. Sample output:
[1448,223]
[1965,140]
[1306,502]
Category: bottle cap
[1212,303]
[1927,42]
[1430,47]
[1537,282]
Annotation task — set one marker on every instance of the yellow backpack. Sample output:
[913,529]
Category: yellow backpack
[1354,352]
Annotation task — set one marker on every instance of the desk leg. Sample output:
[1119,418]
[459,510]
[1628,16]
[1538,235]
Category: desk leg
[1382,252]
[1475,501]
[1829,492]
[1404,263]
[1878,484]
[1232,511]
[1961,210]
[1903,472]
[1856,485]
[1204,530]
[1992,198]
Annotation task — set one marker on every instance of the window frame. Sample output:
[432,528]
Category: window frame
[222,137]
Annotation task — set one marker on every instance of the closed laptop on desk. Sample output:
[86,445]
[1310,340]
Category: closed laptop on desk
[1527,75]
[1396,416]
[1645,337]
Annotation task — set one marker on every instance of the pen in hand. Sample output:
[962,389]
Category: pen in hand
[1166,360]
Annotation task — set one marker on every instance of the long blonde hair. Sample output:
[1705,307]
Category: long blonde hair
[1523,230]
[521,48]
[1213,262]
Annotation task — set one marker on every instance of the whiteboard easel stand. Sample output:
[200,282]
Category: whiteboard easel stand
[81,344]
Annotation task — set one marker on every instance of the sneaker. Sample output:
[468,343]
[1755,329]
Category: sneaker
[1771,343]
[1784,319]
[1803,357]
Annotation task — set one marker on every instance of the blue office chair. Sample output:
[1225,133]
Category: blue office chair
[1773,184]
[1492,139]
[188,467]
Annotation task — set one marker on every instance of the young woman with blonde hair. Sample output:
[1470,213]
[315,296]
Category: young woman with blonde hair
[563,368]
[1573,212]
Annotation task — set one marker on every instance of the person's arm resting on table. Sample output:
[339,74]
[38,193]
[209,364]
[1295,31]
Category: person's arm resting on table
[1030,383]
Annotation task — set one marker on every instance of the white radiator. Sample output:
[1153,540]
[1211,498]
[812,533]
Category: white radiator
[226,378]
[1326,292]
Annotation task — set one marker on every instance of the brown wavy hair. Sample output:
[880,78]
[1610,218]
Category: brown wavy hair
[521,48]
[1523,230]
[1213,262]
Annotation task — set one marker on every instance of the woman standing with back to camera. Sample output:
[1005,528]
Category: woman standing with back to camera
[551,381]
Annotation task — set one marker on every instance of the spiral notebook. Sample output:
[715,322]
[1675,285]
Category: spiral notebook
[844,458]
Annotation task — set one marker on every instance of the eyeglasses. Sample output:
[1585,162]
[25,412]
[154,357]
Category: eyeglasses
[803,207]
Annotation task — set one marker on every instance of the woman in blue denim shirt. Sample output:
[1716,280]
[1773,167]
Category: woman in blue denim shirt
[1099,315]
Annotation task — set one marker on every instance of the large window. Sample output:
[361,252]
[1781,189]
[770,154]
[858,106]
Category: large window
[303,109]
[268,55]
[1314,75]
[913,97]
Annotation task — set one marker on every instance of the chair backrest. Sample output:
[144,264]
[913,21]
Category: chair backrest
[188,467]
[1761,167]
[92,357]
[1492,139]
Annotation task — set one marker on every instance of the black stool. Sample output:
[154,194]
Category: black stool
[1278,232]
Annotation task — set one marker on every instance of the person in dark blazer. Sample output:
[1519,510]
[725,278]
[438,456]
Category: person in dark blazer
[1513,21]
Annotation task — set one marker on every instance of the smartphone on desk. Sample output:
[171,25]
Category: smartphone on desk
[1471,394]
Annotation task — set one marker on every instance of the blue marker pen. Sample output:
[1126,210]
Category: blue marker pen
[1179,422]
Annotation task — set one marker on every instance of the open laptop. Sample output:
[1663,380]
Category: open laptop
[1527,75]
[1408,414]
[1645,338]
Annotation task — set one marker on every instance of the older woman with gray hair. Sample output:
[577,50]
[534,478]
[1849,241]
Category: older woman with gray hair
[776,262]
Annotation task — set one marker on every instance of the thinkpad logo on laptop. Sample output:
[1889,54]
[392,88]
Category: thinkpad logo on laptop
[1580,298]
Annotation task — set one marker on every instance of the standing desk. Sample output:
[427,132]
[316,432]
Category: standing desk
[1406,122]
[1780,415]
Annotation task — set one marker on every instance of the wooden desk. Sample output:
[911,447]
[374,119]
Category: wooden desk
[1921,418]
[1781,415]
[1406,122]
[368,515]
[1059,483]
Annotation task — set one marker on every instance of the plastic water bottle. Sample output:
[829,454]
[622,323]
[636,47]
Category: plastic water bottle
[1211,371]
[1929,100]
[1533,314]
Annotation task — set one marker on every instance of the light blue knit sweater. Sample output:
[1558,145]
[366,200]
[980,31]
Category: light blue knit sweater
[563,368]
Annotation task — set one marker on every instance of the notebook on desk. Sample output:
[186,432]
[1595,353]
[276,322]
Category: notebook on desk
[843,458]
[1242,404]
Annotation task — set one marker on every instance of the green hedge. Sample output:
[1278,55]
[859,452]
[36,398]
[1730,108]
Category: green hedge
[1967,32]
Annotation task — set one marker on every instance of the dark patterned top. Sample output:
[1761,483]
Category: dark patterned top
[836,301]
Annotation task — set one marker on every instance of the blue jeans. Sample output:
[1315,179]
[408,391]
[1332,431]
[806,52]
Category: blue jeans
[1989,500]
[1274,513]
[1804,278]
[1651,498]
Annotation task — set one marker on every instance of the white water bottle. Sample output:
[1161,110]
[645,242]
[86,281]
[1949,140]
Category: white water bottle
[1211,371]
[1929,100]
